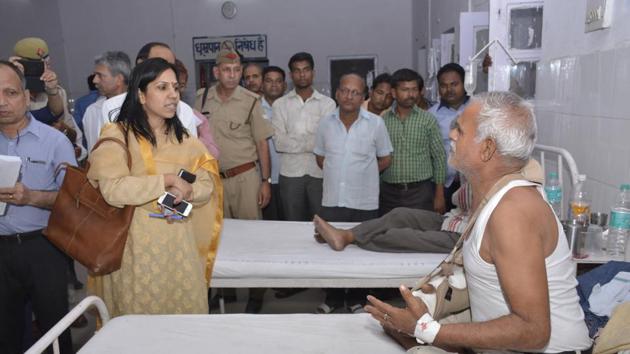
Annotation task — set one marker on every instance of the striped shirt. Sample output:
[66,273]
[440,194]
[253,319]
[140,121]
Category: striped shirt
[456,220]
[418,151]
[42,149]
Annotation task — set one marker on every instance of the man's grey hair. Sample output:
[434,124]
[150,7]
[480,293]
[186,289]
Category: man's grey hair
[253,64]
[509,120]
[117,62]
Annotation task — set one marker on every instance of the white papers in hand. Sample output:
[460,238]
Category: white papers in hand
[9,173]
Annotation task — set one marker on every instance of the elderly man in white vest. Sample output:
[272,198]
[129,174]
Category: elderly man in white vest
[519,272]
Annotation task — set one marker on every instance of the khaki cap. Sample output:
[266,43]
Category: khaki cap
[31,48]
[227,54]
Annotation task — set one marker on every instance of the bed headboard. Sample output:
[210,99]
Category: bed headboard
[553,158]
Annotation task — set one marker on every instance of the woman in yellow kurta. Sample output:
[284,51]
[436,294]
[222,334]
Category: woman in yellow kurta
[166,264]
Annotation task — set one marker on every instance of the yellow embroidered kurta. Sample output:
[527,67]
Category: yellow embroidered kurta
[165,267]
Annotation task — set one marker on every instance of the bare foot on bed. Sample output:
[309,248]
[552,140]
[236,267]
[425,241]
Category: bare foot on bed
[336,238]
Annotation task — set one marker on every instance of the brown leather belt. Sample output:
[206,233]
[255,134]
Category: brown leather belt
[235,171]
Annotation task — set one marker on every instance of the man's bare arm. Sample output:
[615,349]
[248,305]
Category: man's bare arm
[320,161]
[384,162]
[264,194]
[21,195]
[55,100]
[439,202]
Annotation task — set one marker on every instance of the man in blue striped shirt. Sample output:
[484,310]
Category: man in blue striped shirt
[31,268]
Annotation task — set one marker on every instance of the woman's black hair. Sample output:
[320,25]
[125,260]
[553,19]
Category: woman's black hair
[132,114]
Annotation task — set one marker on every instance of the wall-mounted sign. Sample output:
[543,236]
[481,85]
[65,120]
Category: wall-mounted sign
[250,46]
[598,14]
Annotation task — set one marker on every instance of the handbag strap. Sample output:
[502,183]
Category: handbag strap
[98,143]
[117,141]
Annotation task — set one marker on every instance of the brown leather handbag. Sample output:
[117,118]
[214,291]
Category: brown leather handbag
[84,226]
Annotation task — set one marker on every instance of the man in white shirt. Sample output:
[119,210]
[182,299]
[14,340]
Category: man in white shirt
[295,120]
[111,76]
[352,146]
[111,107]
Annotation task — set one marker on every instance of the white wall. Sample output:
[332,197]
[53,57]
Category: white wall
[324,28]
[420,31]
[32,18]
[583,86]
[431,18]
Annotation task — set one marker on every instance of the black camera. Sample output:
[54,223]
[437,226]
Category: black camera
[33,71]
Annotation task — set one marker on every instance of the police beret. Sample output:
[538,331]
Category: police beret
[31,48]
[227,54]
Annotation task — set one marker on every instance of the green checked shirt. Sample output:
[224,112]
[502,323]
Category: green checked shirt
[418,151]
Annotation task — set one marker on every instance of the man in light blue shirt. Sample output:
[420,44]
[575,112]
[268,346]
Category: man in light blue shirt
[352,146]
[453,101]
[31,268]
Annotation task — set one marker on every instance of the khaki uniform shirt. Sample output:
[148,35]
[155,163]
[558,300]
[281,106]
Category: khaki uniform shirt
[236,131]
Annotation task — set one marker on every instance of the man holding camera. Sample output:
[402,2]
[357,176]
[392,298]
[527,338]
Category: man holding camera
[48,100]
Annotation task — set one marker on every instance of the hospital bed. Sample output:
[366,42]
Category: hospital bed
[255,253]
[557,159]
[561,161]
[276,254]
[284,254]
[237,333]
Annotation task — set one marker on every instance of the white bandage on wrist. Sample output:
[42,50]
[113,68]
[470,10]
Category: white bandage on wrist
[426,329]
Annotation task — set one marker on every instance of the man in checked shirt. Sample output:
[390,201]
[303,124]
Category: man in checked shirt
[415,178]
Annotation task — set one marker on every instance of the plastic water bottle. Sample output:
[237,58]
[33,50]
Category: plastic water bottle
[619,226]
[580,202]
[553,190]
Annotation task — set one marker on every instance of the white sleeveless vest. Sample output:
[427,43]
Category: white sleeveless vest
[568,329]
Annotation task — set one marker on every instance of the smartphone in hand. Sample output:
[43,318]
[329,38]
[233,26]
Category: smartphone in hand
[167,200]
[187,176]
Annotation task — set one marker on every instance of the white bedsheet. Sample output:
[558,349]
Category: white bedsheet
[281,253]
[241,333]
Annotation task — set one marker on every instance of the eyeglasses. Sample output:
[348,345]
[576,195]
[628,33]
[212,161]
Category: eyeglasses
[352,93]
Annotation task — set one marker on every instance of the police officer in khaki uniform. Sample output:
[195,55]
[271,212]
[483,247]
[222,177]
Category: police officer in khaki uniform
[236,117]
